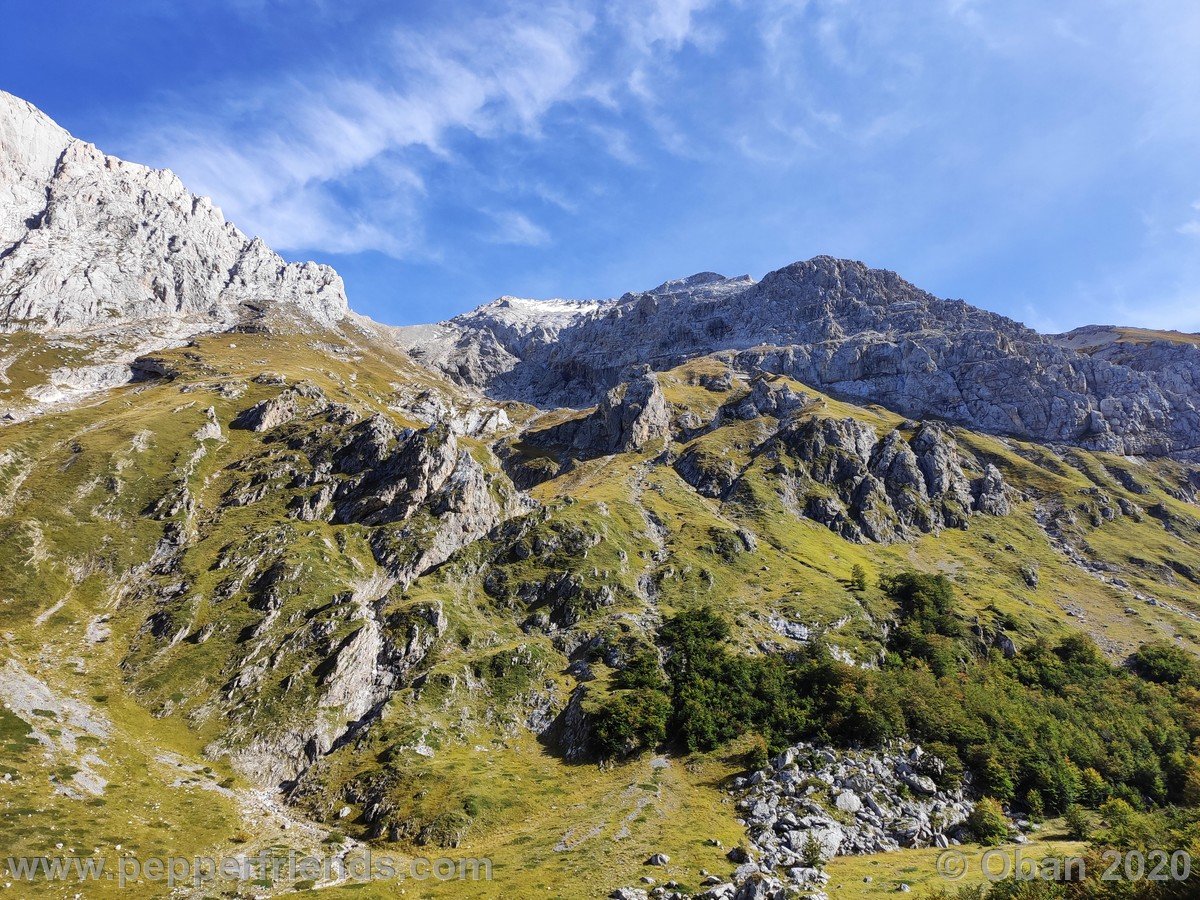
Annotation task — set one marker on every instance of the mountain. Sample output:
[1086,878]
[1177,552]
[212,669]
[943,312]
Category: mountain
[110,259]
[730,577]
[858,333]
[91,242]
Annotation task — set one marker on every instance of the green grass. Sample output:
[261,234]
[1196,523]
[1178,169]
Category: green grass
[82,510]
[918,868]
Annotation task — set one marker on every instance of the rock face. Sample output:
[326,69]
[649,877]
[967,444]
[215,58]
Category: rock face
[483,344]
[769,397]
[856,332]
[840,473]
[422,480]
[372,660]
[89,241]
[627,418]
[277,410]
[414,496]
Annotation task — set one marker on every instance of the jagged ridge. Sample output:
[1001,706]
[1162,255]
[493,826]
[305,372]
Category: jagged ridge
[91,241]
[855,332]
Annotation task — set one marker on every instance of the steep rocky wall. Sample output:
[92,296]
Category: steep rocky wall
[91,241]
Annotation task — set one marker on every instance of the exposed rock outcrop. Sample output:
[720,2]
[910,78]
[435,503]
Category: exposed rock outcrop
[839,473]
[823,802]
[628,418]
[277,410]
[770,397]
[89,241]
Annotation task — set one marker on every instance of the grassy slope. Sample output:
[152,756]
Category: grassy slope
[75,487]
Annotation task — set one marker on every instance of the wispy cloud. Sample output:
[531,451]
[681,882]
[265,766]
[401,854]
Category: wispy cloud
[659,24]
[280,156]
[512,227]
[1192,226]
[964,138]
[280,161]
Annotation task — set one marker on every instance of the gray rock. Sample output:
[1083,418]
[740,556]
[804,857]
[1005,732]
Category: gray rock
[759,887]
[842,327]
[91,241]
[1006,645]
[883,490]
[627,418]
[848,801]
[782,825]
[920,783]
[770,397]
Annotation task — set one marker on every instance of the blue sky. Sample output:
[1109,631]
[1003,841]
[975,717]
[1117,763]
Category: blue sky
[1039,159]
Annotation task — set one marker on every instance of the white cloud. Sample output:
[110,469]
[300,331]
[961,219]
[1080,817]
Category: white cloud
[906,108]
[512,227]
[666,24]
[279,161]
[280,157]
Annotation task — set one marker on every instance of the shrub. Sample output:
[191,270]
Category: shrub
[757,755]
[995,779]
[630,721]
[812,854]
[1190,793]
[1164,663]
[1035,805]
[641,671]
[987,822]
[1078,822]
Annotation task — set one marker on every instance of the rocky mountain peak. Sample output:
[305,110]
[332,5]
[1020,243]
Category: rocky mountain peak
[855,332]
[89,241]
[699,280]
[31,145]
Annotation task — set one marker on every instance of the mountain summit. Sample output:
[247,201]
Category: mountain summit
[91,242]
[859,333]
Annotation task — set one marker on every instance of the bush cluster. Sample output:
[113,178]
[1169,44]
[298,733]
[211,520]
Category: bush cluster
[1054,727]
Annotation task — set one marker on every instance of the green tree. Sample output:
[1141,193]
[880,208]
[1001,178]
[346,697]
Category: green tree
[925,600]
[630,721]
[1118,814]
[1078,822]
[641,670]
[1036,805]
[812,854]
[1093,789]
[858,577]
[1164,663]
